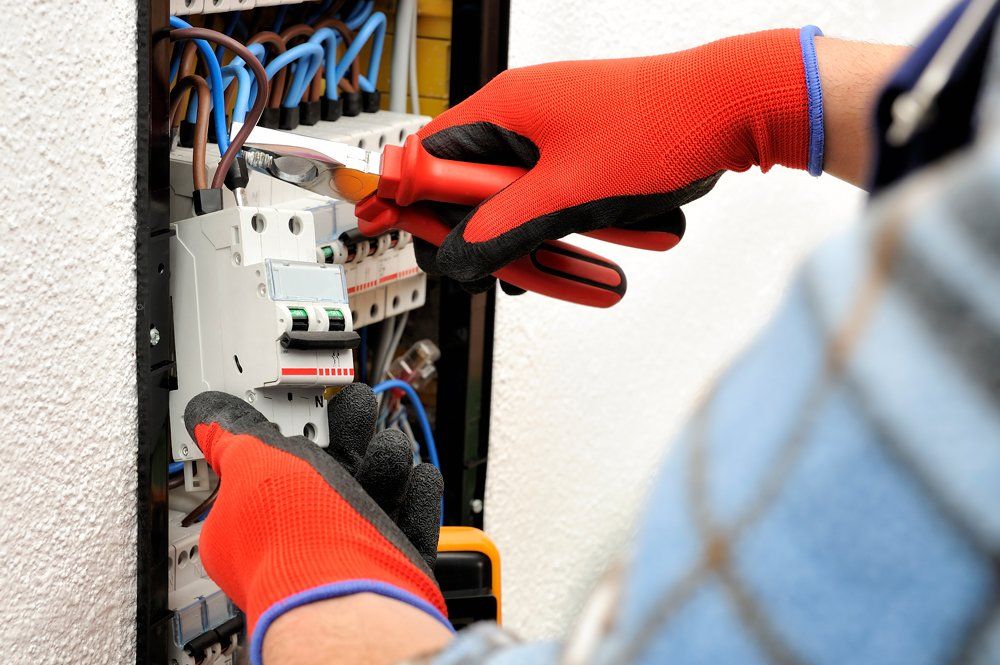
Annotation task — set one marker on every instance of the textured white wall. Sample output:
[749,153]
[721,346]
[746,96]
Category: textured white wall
[67,331]
[585,402]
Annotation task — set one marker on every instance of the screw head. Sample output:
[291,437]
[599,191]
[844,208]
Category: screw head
[184,451]
[250,396]
[476,505]
[154,336]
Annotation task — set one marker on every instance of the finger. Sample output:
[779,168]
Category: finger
[420,510]
[426,254]
[501,229]
[512,290]
[657,233]
[351,413]
[479,285]
[517,220]
[481,142]
[384,471]
[210,416]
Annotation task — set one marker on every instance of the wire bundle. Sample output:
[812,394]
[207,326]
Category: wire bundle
[284,72]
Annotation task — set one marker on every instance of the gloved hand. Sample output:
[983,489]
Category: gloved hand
[294,524]
[625,142]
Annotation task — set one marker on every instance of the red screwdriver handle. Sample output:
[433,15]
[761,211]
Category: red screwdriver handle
[555,269]
[411,174]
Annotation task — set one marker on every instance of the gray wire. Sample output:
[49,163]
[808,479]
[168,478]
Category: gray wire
[405,9]
[399,321]
[414,92]
[385,338]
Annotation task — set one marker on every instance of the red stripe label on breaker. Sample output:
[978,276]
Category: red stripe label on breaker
[336,371]
[299,371]
[362,286]
[402,274]
[322,371]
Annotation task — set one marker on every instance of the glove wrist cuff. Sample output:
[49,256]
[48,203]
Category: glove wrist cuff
[327,592]
[814,90]
[776,100]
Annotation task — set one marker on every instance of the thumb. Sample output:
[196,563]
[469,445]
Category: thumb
[506,226]
[213,417]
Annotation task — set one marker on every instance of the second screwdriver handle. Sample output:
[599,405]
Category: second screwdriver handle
[411,174]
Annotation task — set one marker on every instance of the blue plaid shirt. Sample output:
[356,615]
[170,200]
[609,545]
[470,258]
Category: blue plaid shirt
[836,498]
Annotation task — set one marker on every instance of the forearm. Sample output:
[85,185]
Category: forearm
[852,75]
[363,628]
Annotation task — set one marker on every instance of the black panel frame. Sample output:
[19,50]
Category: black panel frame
[153,328]
[479,37]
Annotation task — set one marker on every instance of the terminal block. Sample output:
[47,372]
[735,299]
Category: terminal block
[205,623]
[256,315]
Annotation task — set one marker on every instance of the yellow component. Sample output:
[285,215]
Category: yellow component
[433,66]
[469,539]
[428,106]
[434,19]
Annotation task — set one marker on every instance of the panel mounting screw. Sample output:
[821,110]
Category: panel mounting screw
[476,505]
[154,336]
[184,451]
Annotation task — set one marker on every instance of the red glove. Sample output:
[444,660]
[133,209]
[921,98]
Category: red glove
[291,525]
[625,142]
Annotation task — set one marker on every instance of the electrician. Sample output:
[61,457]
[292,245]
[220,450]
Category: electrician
[834,499]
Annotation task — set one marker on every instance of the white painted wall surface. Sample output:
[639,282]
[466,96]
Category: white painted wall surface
[585,402]
[67,331]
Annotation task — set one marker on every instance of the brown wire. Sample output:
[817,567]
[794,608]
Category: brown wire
[198,168]
[258,104]
[274,40]
[188,65]
[293,33]
[296,31]
[347,84]
[204,506]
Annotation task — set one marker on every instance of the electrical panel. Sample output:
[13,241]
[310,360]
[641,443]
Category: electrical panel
[268,295]
[273,291]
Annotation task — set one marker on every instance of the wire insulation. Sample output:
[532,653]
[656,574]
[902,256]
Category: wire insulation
[199,87]
[183,30]
[256,110]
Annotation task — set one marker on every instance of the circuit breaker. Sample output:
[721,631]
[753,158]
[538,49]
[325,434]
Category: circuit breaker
[258,316]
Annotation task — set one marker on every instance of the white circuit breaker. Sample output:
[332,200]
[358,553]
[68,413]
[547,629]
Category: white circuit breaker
[382,275]
[258,316]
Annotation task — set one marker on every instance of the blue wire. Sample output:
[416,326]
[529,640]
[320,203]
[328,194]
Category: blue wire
[279,19]
[175,467]
[234,19]
[326,38]
[242,77]
[376,24]
[215,84]
[284,59]
[324,8]
[304,71]
[361,12]
[425,424]
[238,68]
[175,65]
